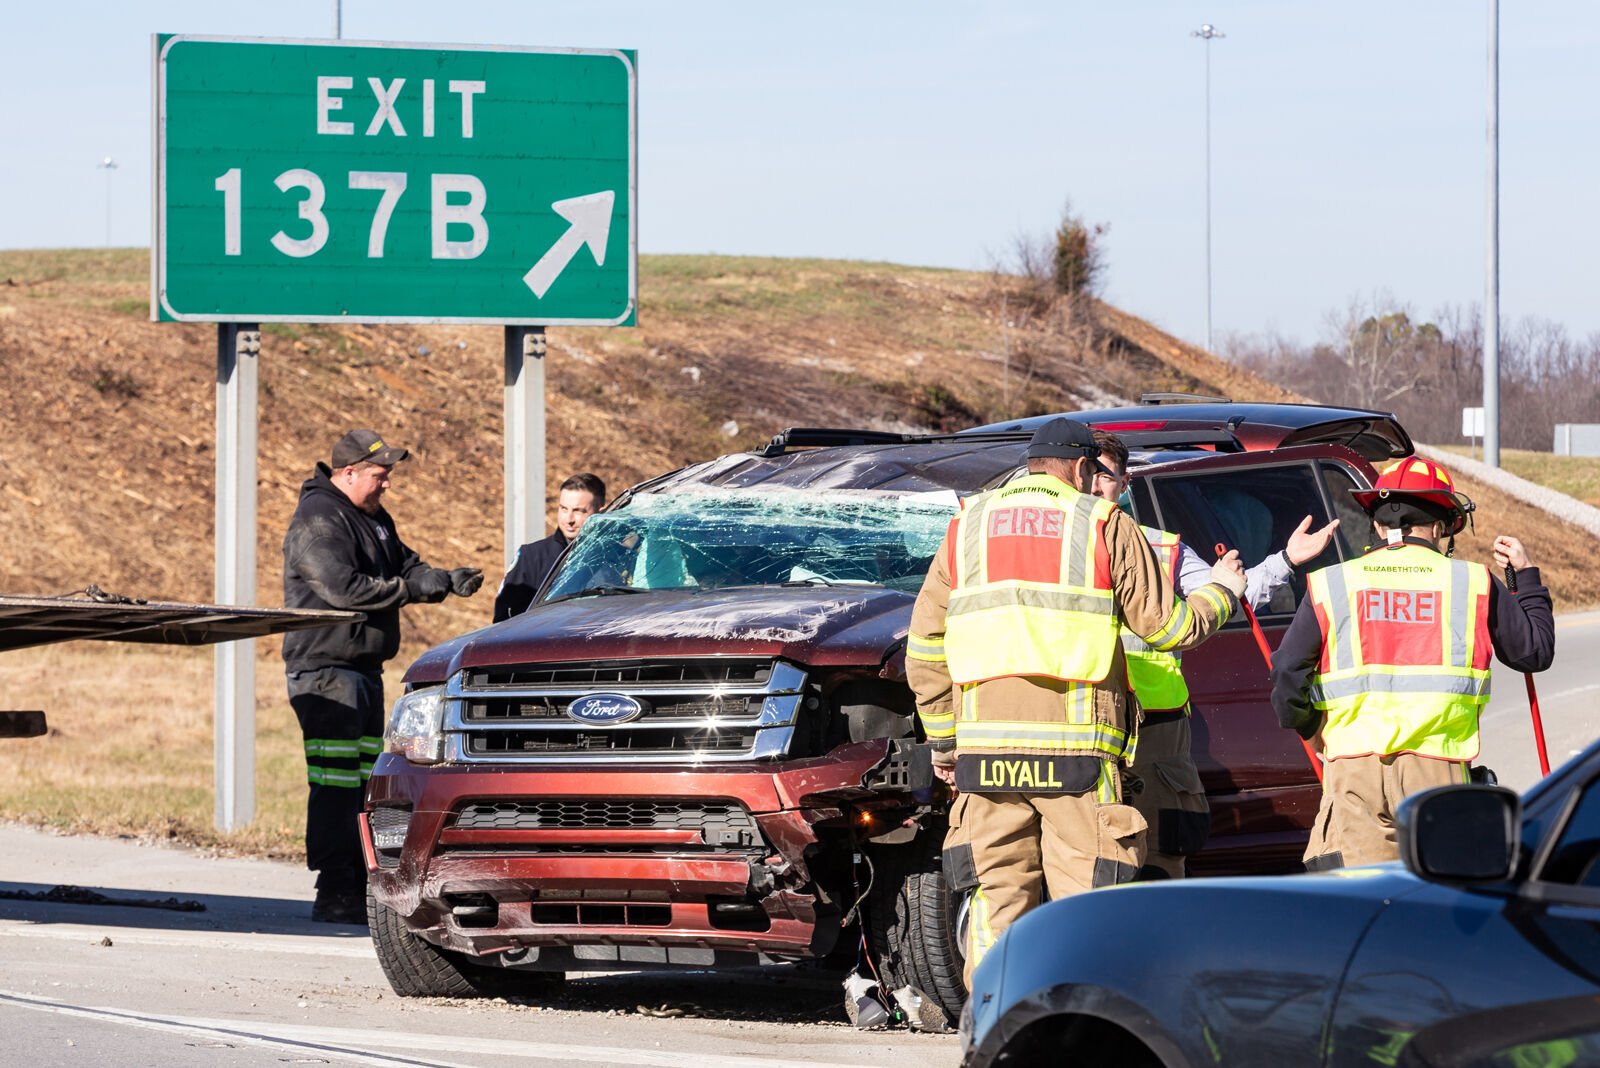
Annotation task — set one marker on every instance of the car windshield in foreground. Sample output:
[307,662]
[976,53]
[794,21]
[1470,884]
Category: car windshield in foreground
[717,538]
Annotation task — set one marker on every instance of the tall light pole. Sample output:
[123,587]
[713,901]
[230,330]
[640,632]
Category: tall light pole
[108,165]
[1491,298]
[1208,33]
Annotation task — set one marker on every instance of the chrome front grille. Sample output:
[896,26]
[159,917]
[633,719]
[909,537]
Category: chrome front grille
[690,711]
[719,818]
[545,706]
[607,675]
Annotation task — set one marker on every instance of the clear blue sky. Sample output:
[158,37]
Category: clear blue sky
[1348,139]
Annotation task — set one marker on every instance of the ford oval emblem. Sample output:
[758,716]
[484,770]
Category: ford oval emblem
[605,708]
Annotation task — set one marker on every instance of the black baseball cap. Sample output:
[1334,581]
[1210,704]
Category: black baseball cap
[365,446]
[1067,439]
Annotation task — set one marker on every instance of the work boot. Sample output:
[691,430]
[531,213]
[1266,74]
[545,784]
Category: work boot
[333,906]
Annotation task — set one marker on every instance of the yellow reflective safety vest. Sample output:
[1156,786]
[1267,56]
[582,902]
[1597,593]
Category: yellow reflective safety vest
[1405,653]
[1030,585]
[1155,677]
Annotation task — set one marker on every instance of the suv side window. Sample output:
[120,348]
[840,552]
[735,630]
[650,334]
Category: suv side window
[1252,509]
[1575,858]
[1355,526]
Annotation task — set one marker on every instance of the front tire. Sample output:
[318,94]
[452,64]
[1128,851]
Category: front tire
[417,968]
[913,921]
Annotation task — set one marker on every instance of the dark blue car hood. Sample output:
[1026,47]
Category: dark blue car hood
[1227,948]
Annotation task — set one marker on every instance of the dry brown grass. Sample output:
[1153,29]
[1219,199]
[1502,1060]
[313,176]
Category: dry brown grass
[130,747]
[106,466]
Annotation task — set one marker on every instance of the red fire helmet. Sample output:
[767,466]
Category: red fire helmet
[1420,480]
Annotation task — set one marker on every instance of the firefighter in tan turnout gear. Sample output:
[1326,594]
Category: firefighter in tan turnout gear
[1171,797]
[1021,686]
[1387,660]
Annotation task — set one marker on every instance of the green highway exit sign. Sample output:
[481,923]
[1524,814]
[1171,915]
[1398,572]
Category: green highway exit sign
[325,181]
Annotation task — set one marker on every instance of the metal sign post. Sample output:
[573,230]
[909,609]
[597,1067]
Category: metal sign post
[238,350]
[1473,425]
[524,418]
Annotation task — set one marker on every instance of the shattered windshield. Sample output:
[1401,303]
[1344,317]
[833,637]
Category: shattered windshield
[715,538]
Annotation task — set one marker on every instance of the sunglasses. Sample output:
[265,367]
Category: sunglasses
[1102,471]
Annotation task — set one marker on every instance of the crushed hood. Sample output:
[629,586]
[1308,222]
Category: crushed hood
[818,625]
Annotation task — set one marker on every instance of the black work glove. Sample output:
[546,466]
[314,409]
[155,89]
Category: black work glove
[427,585]
[464,581]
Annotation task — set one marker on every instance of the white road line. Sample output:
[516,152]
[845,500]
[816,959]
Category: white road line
[1570,693]
[231,941]
[351,1043]
[248,1034]
[555,1051]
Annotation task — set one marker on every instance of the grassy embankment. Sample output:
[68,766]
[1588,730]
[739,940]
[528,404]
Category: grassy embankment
[1576,476]
[728,350]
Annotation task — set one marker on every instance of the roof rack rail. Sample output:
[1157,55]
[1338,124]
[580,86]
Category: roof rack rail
[1220,438]
[801,437]
[1182,398]
[796,437]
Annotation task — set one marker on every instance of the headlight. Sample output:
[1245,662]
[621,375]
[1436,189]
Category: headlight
[413,729]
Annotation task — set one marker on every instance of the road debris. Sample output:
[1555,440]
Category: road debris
[80,895]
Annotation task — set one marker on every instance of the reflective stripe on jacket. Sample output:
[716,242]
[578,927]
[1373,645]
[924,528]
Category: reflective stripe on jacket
[1405,653]
[1156,677]
[1030,590]
[1083,733]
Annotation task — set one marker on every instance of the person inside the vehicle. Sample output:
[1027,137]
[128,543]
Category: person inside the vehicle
[1171,798]
[1386,663]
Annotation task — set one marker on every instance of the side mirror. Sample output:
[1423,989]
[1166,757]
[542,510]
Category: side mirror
[1460,835]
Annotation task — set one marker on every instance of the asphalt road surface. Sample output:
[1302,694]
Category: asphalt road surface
[1569,704]
[251,981]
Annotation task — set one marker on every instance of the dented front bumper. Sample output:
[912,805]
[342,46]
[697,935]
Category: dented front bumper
[587,868]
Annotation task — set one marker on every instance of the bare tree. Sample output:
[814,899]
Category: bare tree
[1426,373]
[1383,353]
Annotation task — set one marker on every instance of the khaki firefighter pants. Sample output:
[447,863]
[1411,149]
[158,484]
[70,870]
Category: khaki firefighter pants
[1004,849]
[1170,798]
[1355,823]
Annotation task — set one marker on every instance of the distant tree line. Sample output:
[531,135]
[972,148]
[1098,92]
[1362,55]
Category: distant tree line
[1375,355]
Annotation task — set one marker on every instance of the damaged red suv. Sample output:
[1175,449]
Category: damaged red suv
[697,747]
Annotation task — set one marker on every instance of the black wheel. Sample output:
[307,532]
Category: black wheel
[416,968]
[914,921]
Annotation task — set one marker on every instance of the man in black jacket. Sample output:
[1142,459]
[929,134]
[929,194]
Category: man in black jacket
[342,551]
[581,496]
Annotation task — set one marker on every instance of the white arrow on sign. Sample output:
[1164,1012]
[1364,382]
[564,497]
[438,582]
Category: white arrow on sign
[590,217]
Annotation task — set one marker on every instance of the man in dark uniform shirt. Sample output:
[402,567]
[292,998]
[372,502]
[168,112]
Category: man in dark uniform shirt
[581,496]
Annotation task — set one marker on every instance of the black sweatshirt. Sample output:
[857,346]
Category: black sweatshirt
[337,556]
[1522,629]
[528,572]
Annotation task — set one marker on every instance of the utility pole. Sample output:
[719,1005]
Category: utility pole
[1208,33]
[108,165]
[1491,299]
[338,19]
